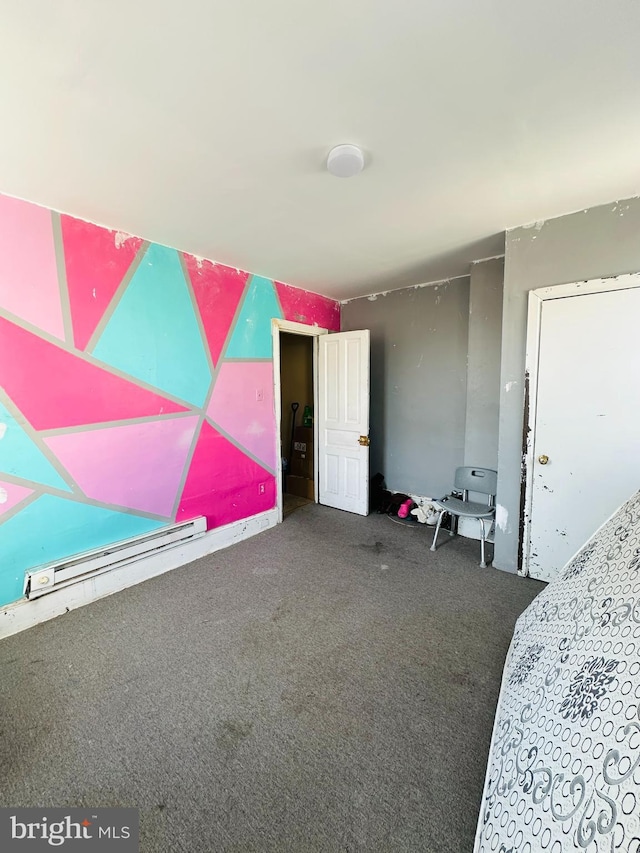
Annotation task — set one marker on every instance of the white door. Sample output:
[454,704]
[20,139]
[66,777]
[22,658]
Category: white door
[586,449]
[343,421]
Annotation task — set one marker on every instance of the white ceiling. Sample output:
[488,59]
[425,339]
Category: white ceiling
[204,125]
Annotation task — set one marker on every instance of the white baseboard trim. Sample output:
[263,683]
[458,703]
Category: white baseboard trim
[25,614]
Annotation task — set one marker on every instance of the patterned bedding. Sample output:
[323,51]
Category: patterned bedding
[564,764]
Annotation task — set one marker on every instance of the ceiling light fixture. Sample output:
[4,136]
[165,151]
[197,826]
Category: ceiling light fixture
[345,161]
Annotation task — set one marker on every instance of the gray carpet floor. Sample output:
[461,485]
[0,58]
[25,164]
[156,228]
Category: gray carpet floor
[291,503]
[328,685]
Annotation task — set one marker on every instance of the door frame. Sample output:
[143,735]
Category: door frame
[290,327]
[537,298]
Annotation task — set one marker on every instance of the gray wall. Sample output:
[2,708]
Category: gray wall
[594,243]
[483,369]
[419,339]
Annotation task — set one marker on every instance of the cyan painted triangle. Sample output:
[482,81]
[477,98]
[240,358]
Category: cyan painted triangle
[52,528]
[252,333]
[22,458]
[153,333]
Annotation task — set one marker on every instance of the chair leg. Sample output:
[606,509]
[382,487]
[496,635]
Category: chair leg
[435,535]
[483,562]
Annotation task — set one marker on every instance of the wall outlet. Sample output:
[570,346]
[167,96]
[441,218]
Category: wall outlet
[259,395]
[261,488]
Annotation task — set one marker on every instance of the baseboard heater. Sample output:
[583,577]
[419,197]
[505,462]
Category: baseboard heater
[54,576]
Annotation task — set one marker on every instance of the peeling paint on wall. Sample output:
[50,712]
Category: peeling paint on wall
[502,517]
[526,439]
[442,282]
[586,244]
[311,309]
[120,238]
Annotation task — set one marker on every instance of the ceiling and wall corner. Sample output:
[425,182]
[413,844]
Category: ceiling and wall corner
[483,363]
[207,127]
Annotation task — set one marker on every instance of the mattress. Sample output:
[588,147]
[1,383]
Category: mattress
[564,764]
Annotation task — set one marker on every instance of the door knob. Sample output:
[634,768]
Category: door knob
[543,459]
[364,440]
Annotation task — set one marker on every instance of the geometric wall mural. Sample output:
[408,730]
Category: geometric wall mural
[136,387]
[251,337]
[235,406]
[153,331]
[12,494]
[218,290]
[29,287]
[97,261]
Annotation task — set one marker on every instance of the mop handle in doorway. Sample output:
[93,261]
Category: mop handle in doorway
[294,409]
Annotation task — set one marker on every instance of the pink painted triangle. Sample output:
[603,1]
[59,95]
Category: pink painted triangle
[218,290]
[242,404]
[223,483]
[54,388]
[309,308]
[96,261]
[11,494]
[138,466]
[28,271]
